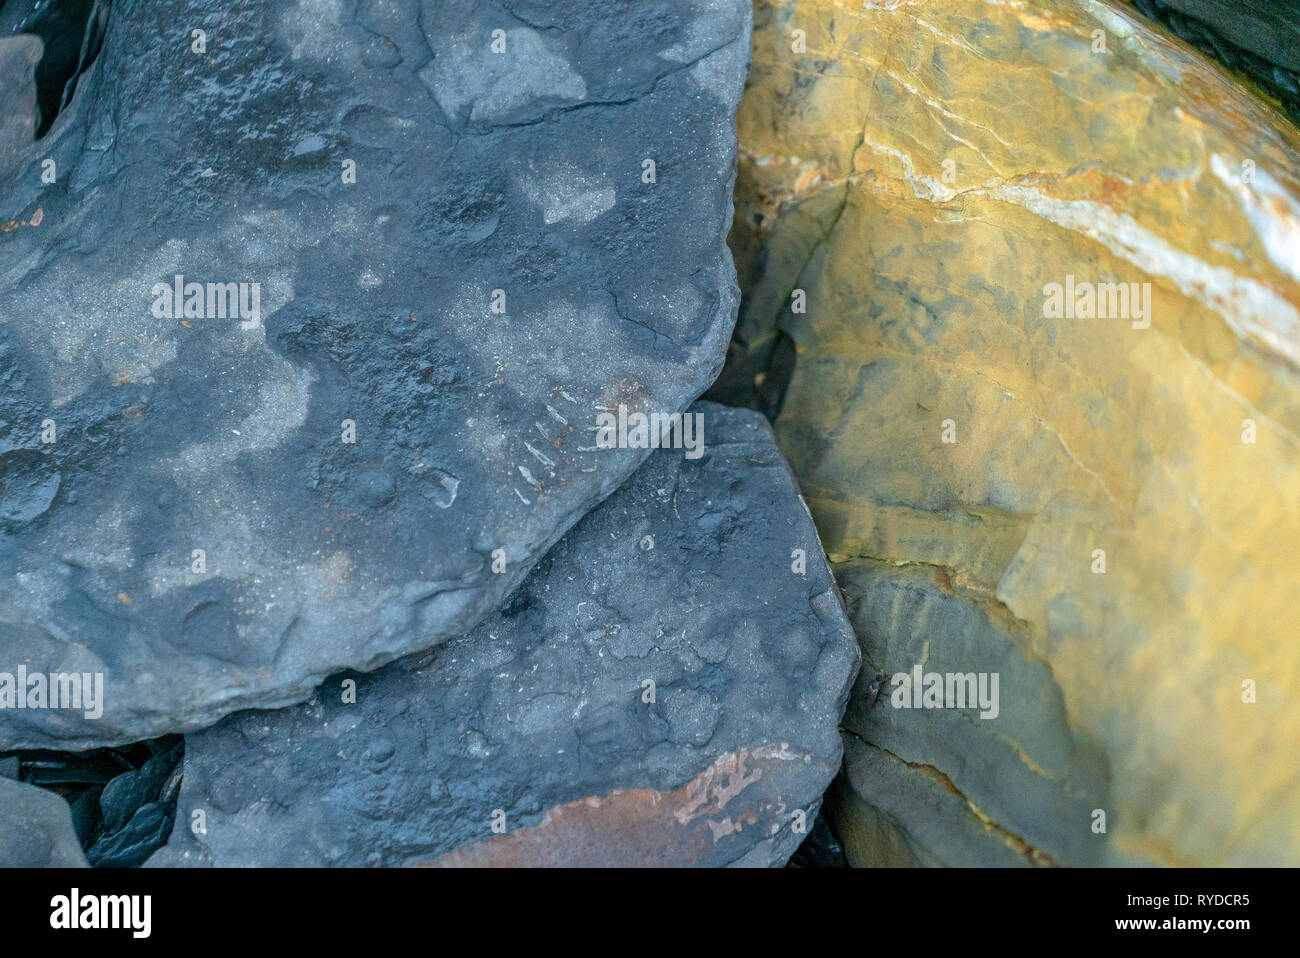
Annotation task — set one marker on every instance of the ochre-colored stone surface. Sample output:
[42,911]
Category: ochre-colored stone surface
[923,171]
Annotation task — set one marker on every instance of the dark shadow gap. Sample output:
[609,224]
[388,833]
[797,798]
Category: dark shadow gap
[72,31]
[123,799]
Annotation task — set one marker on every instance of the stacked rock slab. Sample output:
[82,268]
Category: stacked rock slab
[430,242]
[664,689]
[1100,502]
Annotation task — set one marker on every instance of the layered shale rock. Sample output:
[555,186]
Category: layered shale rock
[36,829]
[122,800]
[309,311]
[1024,301]
[664,689]
[1269,29]
[1258,38]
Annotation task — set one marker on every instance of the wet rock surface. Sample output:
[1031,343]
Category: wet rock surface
[1098,506]
[685,579]
[452,259]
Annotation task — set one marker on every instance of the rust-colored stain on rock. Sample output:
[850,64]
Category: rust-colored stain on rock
[644,827]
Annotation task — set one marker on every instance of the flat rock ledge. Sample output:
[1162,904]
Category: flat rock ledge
[305,343]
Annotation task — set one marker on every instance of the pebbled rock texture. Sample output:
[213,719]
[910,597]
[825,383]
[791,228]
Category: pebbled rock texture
[682,578]
[380,171]
[1100,507]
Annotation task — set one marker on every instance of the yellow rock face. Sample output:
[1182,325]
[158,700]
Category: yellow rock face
[964,191]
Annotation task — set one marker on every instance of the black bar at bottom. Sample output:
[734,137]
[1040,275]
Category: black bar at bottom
[871,907]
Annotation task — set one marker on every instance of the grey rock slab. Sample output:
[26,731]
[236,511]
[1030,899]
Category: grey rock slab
[36,829]
[18,58]
[180,509]
[541,717]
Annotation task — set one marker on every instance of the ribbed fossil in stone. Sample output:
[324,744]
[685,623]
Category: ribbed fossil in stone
[418,270]
[664,689]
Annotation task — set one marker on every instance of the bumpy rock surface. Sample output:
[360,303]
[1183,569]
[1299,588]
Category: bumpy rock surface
[923,172]
[683,578]
[36,829]
[483,161]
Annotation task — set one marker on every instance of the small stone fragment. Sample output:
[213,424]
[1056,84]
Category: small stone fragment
[36,829]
